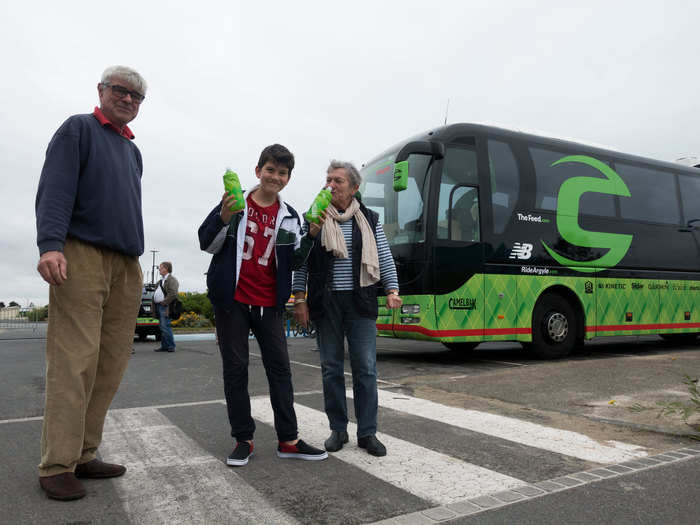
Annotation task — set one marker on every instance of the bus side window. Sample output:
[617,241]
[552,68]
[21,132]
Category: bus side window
[690,193]
[458,207]
[505,183]
[654,197]
[550,177]
[464,215]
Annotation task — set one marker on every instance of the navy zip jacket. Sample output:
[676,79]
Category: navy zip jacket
[225,242]
[90,189]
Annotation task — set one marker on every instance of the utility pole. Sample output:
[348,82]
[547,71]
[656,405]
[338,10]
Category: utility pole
[153,267]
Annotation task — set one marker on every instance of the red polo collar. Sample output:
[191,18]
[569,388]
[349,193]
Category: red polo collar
[124,132]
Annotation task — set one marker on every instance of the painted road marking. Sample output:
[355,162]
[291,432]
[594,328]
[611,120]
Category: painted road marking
[171,479]
[317,367]
[556,440]
[427,474]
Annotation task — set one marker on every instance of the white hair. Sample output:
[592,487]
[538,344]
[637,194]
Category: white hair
[353,175]
[127,74]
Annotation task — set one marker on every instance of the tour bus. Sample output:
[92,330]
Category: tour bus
[501,235]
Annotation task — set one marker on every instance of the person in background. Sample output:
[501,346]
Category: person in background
[90,236]
[166,293]
[341,275]
[249,281]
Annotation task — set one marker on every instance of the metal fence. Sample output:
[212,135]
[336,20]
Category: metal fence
[16,323]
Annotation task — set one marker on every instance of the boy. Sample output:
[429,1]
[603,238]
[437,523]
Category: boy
[249,282]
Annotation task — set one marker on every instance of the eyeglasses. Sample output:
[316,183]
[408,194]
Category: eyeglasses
[121,92]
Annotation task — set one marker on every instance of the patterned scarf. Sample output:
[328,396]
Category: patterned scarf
[333,240]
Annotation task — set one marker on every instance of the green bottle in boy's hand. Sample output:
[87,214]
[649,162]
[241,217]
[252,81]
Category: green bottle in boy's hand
[319,205]
[233,187]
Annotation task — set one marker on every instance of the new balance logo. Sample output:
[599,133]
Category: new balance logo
[521,250]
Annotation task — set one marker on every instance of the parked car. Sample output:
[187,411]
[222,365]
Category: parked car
[147,321]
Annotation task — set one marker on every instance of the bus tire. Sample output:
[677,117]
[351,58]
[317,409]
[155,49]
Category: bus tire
[141,335]
[679,338]
[461,347]
[553,327]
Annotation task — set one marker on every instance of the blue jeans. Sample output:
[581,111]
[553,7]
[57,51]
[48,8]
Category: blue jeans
[166,332]
[341,321]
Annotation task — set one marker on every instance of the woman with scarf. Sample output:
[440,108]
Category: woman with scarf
[341,276]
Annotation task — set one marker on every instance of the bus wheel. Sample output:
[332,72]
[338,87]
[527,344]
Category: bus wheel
[553,328]
[679,338]
[142,336]
[461,347]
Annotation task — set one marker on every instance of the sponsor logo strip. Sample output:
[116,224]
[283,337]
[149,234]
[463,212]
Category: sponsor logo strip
[653,326]
[454,333]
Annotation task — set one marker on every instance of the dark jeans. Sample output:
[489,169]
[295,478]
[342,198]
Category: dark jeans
[166,332]
[232,327]
[341,321]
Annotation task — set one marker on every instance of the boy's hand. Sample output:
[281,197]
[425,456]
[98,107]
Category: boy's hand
[315,227]
[226,202]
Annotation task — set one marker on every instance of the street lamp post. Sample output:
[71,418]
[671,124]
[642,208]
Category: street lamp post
[153,267]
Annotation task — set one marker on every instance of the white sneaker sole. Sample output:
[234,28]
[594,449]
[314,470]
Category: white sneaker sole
[307,457]
[238,462]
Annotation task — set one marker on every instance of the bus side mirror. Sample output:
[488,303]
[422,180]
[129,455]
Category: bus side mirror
[434,149]
[401,175]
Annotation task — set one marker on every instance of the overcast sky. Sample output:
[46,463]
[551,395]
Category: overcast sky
[228,78]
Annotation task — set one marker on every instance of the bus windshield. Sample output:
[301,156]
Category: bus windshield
[401,213]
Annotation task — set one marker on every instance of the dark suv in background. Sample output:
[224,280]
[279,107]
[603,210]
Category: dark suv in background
[147,321]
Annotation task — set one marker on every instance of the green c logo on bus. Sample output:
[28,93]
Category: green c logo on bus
[567,217]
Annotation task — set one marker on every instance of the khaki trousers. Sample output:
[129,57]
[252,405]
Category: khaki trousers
[92,318]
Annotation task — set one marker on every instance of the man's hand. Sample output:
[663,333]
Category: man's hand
[315,228]
[393,301]
[226,202]
[53,267]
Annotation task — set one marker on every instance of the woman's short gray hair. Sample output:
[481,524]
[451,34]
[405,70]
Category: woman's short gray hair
[126,74]
[353,175]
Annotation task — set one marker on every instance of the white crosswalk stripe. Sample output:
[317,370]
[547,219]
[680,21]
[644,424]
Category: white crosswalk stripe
[427,474]
[171,479]
[546,438]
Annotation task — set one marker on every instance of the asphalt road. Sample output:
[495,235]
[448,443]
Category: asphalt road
[487,437]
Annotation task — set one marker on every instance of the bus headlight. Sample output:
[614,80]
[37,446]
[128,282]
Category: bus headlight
[410,320]
[410,309]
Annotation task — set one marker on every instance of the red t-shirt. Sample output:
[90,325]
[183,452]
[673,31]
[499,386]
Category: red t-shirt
[257,282]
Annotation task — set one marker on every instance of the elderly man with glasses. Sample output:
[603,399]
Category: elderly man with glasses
[90,236]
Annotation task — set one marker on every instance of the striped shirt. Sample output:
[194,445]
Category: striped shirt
[342,268]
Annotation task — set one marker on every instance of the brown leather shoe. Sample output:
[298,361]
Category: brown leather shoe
[63,487]
[99,469]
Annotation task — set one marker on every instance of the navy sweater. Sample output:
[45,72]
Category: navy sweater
[90,188]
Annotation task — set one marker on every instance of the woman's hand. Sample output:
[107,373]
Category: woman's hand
[301,314]
[226,202]
[393,300]
[315,227]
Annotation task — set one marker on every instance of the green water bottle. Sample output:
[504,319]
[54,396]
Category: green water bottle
[233,187]
[319,205]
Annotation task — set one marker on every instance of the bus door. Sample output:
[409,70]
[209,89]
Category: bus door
[404,216]
[458,251]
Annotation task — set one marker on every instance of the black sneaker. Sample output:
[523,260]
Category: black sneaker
[372,445]
[240,454]
[301,451]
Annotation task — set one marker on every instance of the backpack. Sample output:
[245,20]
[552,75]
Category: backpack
[174,308]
